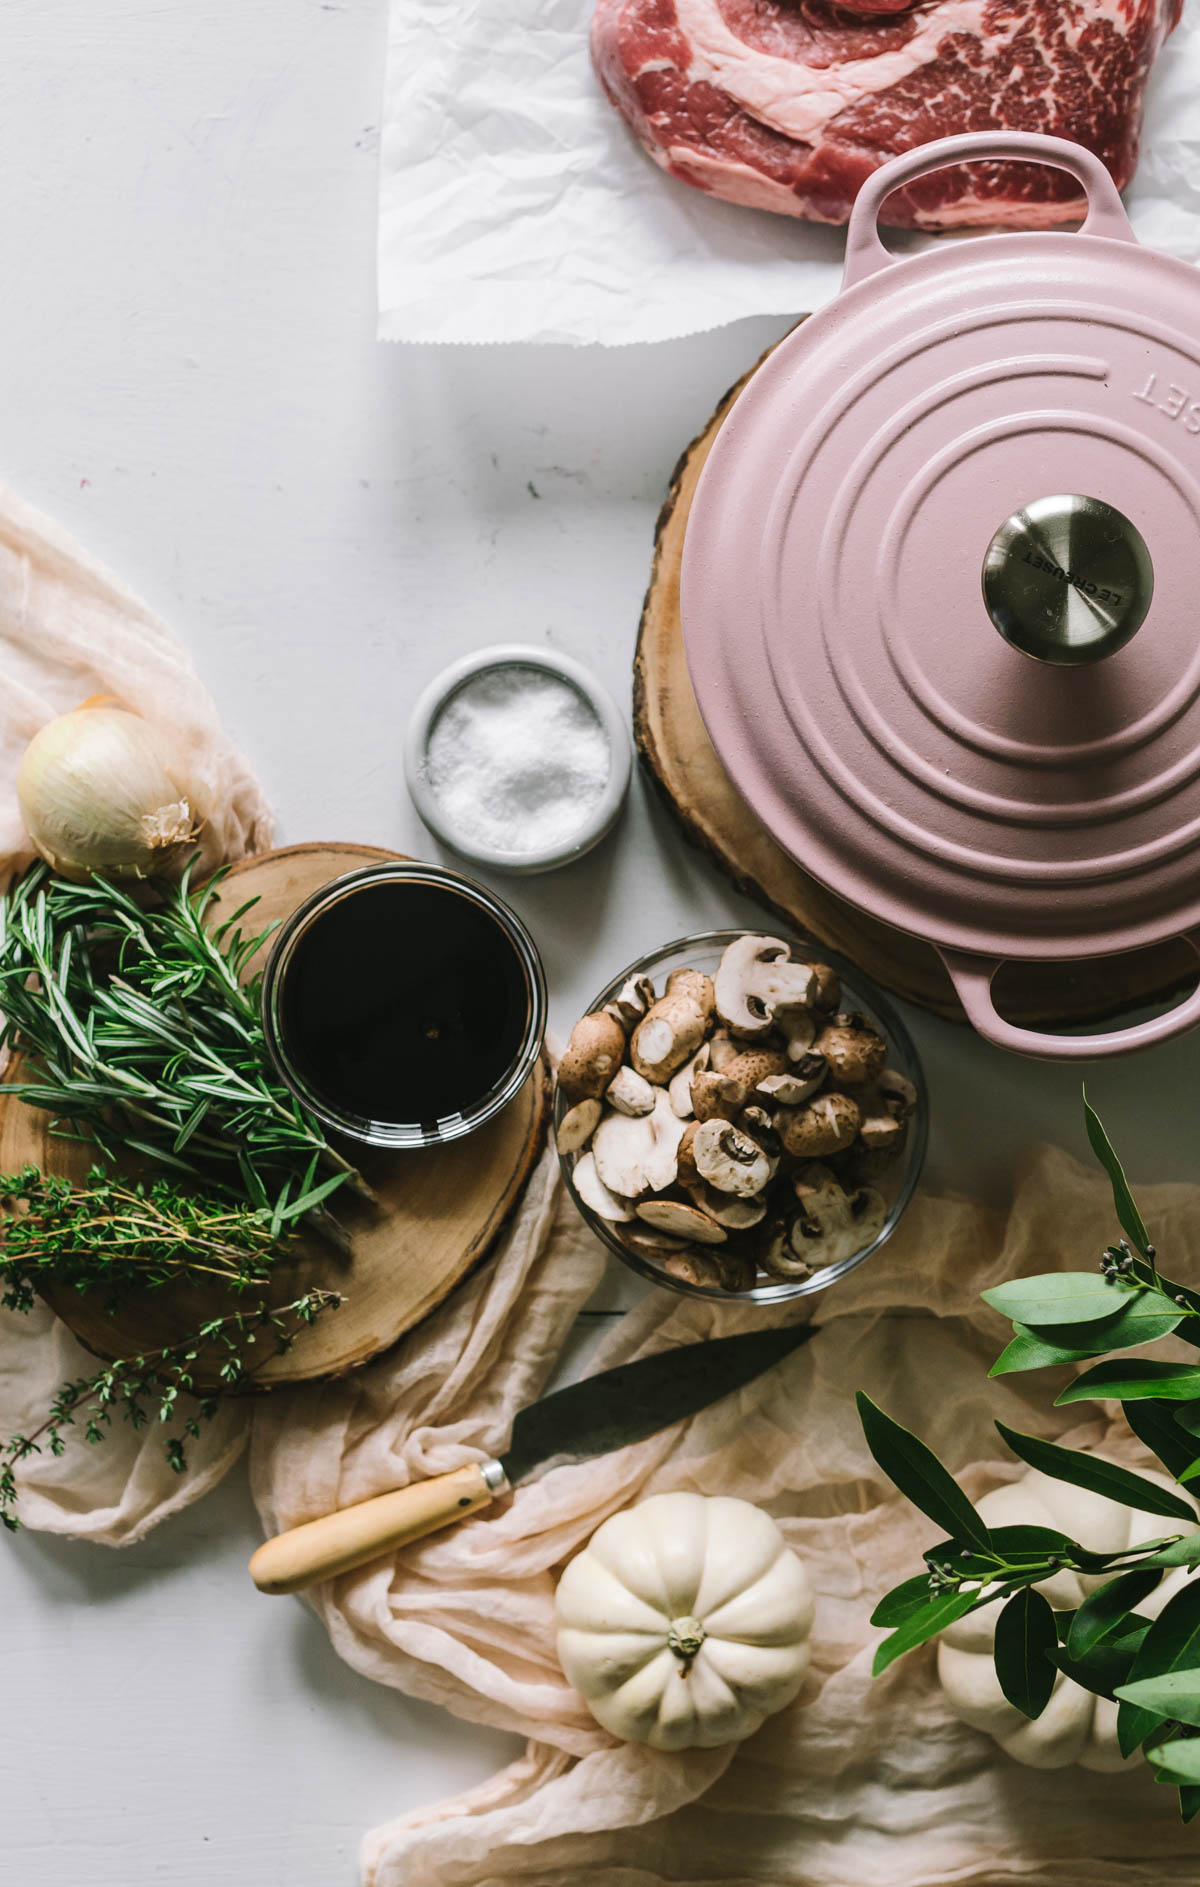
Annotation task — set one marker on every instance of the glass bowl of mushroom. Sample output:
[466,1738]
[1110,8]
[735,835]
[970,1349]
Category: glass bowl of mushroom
[741,1115]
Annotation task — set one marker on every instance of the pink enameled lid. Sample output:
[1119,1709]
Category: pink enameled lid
[941,589]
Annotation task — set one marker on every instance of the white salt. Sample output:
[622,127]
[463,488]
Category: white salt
[518,760]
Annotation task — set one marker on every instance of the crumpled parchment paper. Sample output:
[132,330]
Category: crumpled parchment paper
[515,206]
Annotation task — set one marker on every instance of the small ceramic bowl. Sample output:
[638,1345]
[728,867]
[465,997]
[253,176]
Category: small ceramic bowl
[594,822]
[897,1183]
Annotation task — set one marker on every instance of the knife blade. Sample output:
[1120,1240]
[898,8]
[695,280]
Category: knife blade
[609,1410]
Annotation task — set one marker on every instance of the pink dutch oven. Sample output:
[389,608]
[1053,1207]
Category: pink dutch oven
[941,593]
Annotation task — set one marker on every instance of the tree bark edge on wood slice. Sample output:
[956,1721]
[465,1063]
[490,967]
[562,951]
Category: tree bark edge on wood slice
[679,760]
[441,1209]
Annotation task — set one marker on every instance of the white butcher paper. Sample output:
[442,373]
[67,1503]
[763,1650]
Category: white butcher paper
[515,205]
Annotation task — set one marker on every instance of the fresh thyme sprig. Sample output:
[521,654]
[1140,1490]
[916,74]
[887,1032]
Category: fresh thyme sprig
[160,1386]
[140,1036]
[115,1236]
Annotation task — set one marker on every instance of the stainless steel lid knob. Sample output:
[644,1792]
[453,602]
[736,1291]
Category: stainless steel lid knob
[1068,580]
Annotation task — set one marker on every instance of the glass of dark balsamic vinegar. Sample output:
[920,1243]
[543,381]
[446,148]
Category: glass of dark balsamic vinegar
[404,1005]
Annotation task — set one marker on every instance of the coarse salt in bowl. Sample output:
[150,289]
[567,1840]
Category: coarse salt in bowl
[517,758]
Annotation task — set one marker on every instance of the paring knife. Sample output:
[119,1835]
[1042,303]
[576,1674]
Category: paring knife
[591,1417]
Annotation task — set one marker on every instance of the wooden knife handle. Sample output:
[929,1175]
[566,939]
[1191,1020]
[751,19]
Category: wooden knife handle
[339,1542]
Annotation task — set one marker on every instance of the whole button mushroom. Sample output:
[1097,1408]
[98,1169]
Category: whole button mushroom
[592,1057]
[673,1028]
[827,1124]
[855,1052]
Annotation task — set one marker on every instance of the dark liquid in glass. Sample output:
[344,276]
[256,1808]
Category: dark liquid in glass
[404,1002]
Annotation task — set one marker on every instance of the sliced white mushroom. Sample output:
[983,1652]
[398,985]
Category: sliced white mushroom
[621,1146]
[868,1211]
[779,1258]
[697,1267]
[660,1164]
[799,1028]
[577,1126]
[882,1130]
[755,978]
[736,1215]
[899,1094]
[682,1221]
[630,1093]
[595,1194]
[722,1049]
[824,1230]
[730,1160]
[644,1238]
[798,1085]
[631,1002]
[680,1085]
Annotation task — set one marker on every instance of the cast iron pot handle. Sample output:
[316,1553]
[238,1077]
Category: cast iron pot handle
[865,253]
[972,978]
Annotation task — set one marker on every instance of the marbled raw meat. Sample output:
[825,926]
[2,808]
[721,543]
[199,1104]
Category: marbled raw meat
[788,105]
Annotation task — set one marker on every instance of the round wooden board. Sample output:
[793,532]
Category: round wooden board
[439,1211]
[676,752]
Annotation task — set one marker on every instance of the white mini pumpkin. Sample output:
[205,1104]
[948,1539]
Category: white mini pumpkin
[1076,1726]
[685,1621]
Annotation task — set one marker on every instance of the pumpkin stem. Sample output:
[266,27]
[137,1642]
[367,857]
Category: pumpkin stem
[685,1637]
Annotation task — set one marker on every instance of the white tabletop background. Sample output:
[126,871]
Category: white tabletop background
[189,381]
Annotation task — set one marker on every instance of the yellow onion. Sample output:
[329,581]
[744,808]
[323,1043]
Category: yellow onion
[101,793]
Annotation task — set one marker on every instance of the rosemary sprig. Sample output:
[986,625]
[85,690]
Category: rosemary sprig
[142,1037]
[154,1387]
[116,1236]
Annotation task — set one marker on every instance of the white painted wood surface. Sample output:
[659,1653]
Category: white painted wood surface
[189,380]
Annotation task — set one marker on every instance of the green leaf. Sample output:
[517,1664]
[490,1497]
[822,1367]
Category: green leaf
[1178,1758]
[1188,1420]
[1108,1663]
[919,1475]
[941,1611]
[1134,1380]
[1061,1297]
[1144,1318]
[1100,1477]
[1105,1611]
[1025,1637]
[314,1196]
[1127,1213]
[1185,1552]
[1159,1425]
[1174,1696]
[1171,1644]
[903,1602]
[1189,1803]
[1030,1351]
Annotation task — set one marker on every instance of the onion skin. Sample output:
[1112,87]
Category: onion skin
[101,795]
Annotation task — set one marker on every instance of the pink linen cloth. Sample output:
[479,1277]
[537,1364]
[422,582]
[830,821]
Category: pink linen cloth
[860,1779]
[69,629]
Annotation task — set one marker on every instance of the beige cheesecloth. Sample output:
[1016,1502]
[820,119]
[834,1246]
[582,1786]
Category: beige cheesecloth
[861,1780]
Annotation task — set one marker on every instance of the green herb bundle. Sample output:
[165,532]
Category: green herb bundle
[139,1034]
[1150,1668]
[160,1387]
[115,1236]
[138,1028]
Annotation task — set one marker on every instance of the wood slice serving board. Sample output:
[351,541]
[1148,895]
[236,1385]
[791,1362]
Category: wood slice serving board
[439,1209]
[676,752]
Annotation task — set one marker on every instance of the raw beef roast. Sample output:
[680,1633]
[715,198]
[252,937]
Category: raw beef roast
[789,104]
